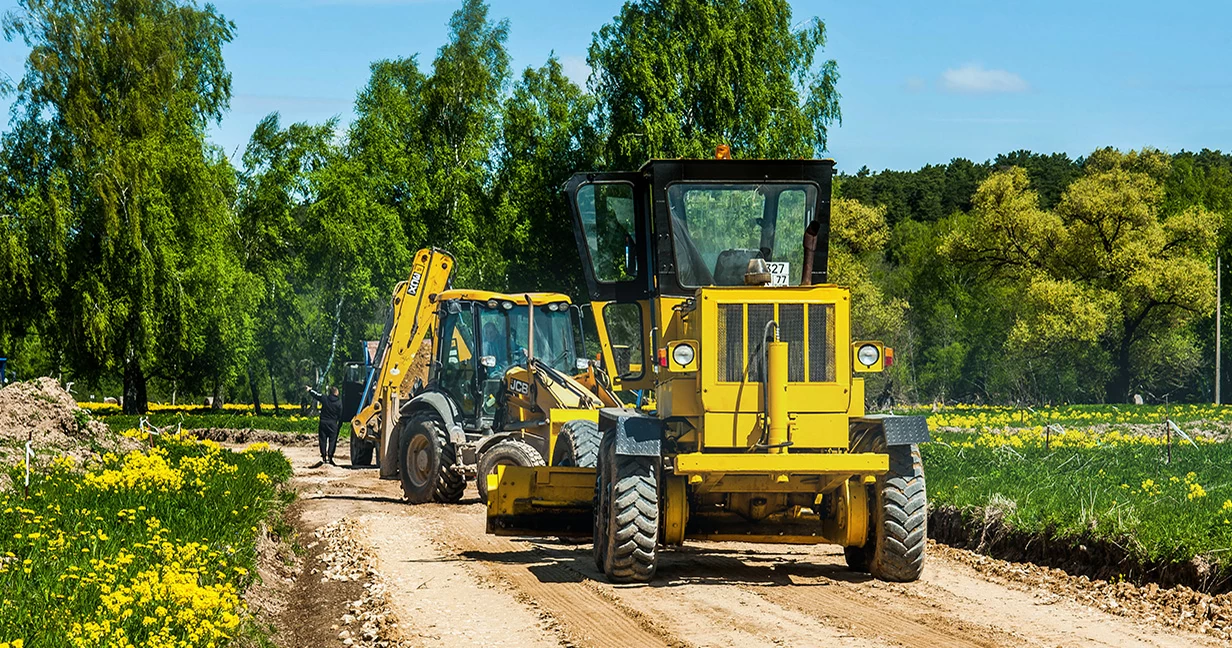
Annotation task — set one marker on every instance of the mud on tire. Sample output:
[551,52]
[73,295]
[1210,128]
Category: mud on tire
[899,533]
[578,444]
[504,453]
[632,519]
[426,459]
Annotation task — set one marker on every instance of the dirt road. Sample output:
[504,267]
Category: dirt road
[452,585]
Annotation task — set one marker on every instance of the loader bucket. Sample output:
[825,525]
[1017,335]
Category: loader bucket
[544,500]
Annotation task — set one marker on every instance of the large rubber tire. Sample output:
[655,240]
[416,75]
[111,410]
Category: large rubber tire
[633,518]
[425,461]
[899,533]
[578,444]
[361,451]
[602,502]
[504,453]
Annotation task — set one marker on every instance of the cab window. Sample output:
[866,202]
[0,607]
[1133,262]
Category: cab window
[457,359]
[606,212]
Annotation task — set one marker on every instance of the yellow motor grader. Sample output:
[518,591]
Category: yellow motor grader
[505,385]
[708,281]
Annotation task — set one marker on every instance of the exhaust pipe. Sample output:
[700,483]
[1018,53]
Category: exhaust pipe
[810,248]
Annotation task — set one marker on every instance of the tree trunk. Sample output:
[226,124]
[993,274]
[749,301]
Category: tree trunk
[134,388]
[1120,388]
[274,390]
[217,398]
[256,393]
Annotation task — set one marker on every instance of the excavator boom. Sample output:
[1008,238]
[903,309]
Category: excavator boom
[412,316]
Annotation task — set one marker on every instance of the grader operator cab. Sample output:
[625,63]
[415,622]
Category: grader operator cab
[713,275]
[505,385]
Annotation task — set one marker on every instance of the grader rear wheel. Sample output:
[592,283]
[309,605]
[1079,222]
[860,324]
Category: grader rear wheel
[895,547]
[632,518]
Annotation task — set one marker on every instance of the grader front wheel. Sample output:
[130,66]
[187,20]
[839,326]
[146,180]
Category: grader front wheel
[895,548]
[632,516]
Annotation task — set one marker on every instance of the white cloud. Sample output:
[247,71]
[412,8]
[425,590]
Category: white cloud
[576,69]
[974,78]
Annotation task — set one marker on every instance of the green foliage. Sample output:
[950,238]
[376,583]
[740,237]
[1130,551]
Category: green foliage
[548,133]
[1106,266]
[292,423]
[740,75]
[461,126]
[177,530]
[119,228]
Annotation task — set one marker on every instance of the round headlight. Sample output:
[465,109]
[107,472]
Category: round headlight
[507,305]
[553,307]
[868,355]
[493,304]
[683,355]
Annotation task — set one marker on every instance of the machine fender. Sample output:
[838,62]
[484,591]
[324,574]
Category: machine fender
[898,430]
[435,401]
[637,434]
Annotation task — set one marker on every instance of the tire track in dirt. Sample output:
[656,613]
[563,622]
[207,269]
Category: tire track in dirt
[583,614]
[824,592]
[706,611]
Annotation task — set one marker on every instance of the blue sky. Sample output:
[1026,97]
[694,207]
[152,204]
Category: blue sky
[921,82]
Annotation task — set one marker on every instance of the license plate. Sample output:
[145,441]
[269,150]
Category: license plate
[779,271]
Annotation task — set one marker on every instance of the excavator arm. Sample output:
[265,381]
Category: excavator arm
[412,315]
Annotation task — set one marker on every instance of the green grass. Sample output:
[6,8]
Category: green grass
[1184,510]
[139,550]
[121,422]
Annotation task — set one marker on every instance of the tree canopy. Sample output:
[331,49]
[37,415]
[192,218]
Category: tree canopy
[133,252]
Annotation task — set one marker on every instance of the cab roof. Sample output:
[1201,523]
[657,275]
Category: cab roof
[536,298]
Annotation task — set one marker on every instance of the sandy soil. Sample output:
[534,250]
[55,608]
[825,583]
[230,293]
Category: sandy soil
[449,584]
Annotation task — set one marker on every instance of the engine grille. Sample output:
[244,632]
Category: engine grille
[808,330]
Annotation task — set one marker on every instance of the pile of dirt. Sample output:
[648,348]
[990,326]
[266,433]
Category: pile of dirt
[43,413]
[250,435]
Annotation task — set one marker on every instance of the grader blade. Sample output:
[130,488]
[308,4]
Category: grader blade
[544,500]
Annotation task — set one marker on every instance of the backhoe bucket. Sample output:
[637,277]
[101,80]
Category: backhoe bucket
[544,500]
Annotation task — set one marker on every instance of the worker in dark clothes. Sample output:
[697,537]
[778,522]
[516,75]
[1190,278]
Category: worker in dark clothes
[327,428]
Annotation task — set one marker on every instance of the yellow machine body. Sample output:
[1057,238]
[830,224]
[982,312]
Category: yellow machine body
[539,399]
[760,431]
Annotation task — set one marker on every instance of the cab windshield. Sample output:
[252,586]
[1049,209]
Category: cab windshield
[553,337]
[505,332]
[718,228]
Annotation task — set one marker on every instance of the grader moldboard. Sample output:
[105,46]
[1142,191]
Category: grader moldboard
[504,386]
[709,286]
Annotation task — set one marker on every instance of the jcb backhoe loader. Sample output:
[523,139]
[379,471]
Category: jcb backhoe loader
[712,273]
[500,386]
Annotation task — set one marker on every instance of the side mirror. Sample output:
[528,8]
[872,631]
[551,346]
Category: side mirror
[582,364]
[487,361]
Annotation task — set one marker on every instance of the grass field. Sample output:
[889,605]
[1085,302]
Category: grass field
[150,549]
[229,420]
[1097,476]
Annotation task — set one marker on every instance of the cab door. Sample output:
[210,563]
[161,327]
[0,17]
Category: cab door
[457,358]
[612,228]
